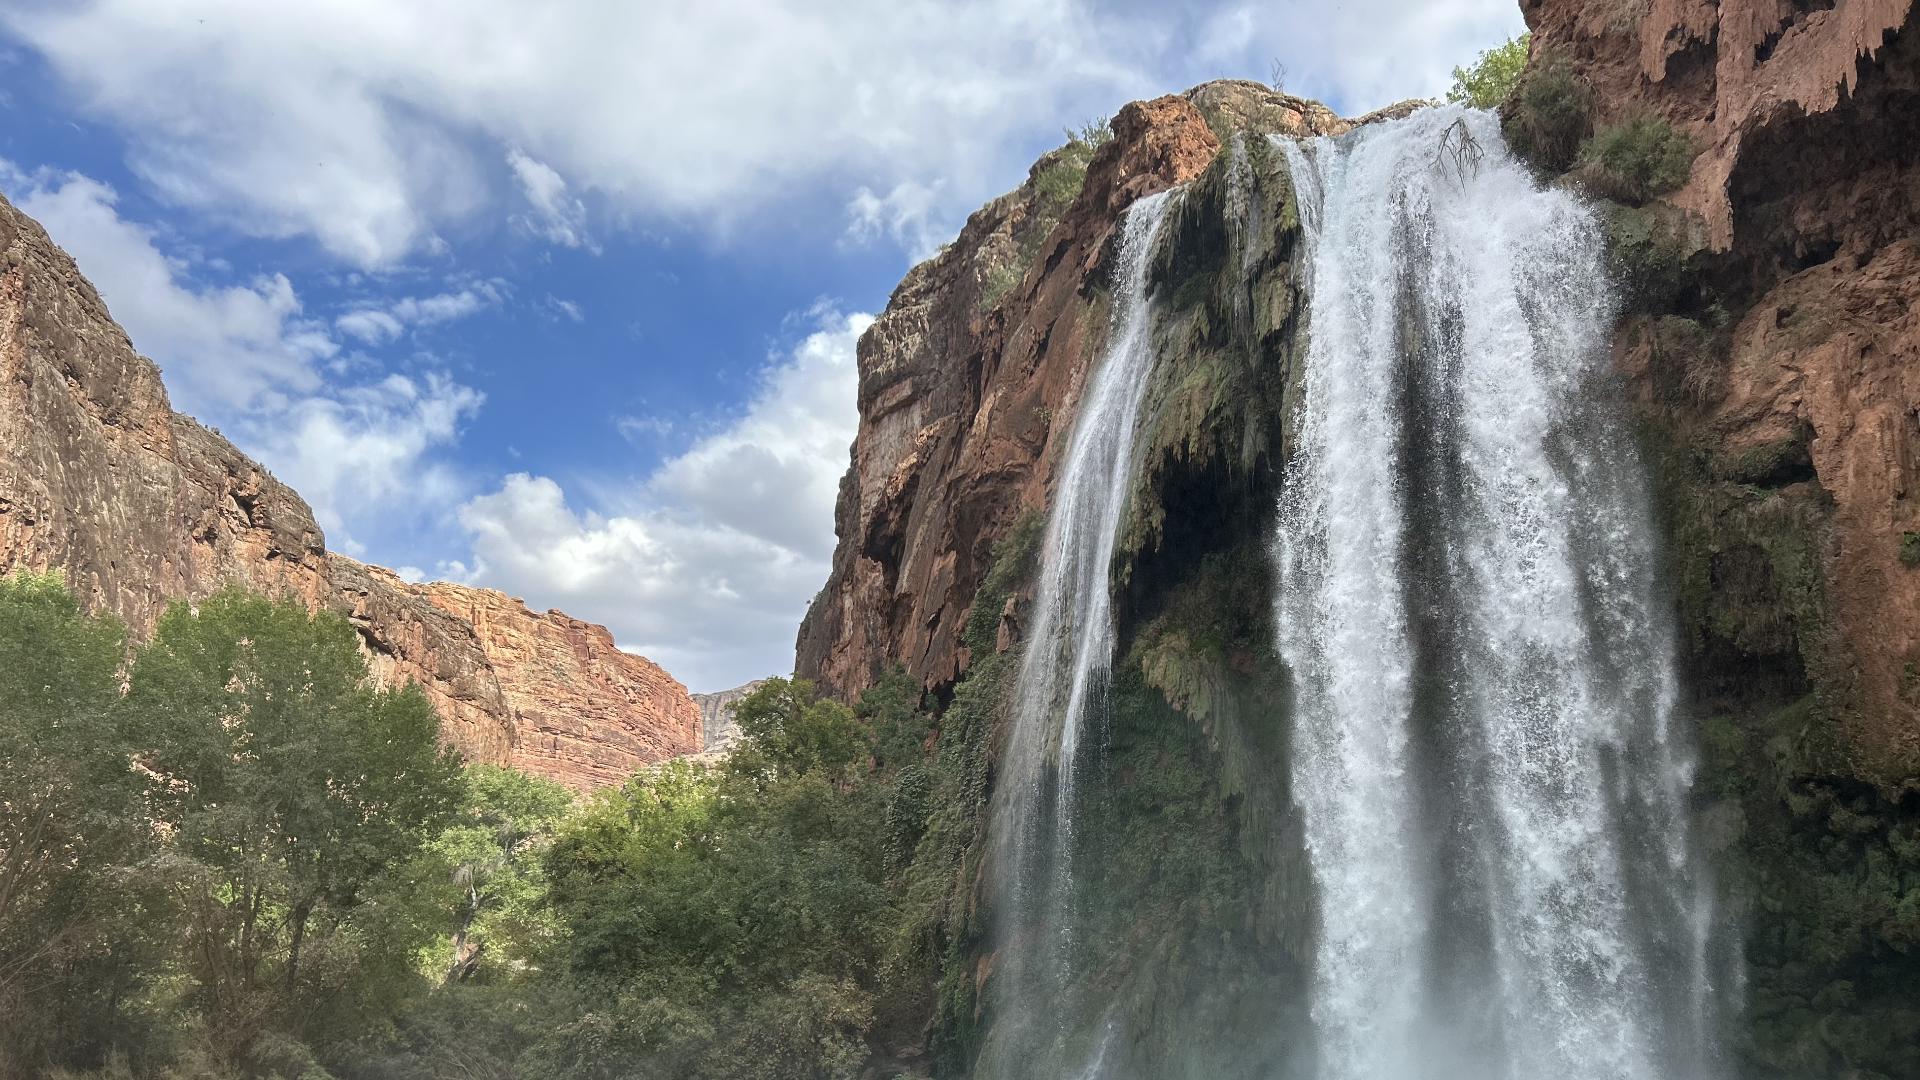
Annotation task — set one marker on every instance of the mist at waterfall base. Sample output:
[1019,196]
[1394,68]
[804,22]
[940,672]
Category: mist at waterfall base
[1490,783]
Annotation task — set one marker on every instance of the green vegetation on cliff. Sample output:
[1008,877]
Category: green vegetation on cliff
[1490,80]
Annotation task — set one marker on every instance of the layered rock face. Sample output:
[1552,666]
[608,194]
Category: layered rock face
[141,506]
[585,713]
[969,382]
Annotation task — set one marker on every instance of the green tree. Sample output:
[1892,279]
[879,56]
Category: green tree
[728,923]
[296,795]
[1491,79]
[787,729]
[493,856]
[71,831]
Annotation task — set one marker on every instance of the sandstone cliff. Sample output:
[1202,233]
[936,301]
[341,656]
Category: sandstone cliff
[969,380]
[141,506]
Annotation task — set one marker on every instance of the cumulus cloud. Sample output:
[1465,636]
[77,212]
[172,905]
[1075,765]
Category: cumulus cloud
[710,563]
[1358,55]
[223,346]
[248,358]
[364,123]
[378,323]
[367,447]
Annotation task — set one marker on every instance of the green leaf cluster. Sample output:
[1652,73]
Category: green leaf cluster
[221,864]
[1491,79]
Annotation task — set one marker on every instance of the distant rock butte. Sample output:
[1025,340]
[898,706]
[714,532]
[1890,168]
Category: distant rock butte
[718,731]
[141,506]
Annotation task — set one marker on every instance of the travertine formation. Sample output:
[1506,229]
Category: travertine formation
[1730,72]
[1805,201]
[141,506]
[967,389]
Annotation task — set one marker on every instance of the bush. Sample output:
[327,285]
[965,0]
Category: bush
[1635,160]
[1492,78]
[1649,249]
[1548,114]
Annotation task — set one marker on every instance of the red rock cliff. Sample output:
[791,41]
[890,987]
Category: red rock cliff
[141,506]
[969,381]
[1804,203]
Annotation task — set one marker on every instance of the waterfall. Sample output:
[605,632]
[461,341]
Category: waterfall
[1492,789]
[1068,654]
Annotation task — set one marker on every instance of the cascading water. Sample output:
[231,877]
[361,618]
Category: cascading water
[1069,651]
[1492,792]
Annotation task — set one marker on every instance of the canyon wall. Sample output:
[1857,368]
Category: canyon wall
[718,729]
[141,506]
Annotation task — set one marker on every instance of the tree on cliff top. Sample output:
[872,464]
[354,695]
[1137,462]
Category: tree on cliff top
[1491,78]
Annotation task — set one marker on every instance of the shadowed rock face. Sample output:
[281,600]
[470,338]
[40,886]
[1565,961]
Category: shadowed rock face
[970,379]
[1802,214]
[141,506]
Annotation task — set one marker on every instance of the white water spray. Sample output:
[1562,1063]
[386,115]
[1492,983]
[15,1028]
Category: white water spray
[1492,795]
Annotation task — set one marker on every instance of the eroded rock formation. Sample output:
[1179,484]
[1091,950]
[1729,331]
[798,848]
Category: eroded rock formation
[141,506]
[1794,247]
[1773,348]
[969,380]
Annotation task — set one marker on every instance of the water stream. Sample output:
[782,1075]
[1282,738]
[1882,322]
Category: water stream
[1068,654]
[1484,755]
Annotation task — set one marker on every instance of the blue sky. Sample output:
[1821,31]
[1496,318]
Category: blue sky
[560,298]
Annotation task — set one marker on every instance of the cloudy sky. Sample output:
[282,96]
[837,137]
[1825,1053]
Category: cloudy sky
[560,297]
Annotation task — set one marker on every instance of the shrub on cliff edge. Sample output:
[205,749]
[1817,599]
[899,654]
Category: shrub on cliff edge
[1548,114]
[1492,78]
[1636,159]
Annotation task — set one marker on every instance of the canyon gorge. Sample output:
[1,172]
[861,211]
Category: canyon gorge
[1433,594]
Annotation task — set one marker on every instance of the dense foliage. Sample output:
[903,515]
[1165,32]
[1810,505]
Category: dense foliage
[217,871]
[1636,159]
[228,854]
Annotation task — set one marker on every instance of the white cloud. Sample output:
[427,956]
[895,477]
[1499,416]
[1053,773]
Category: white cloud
[643,429]
[1358,55]
[565,309]
[366,447]
[249,360]
[371,325]
[223,347]
[378,323]
[557,216]
[365,123]
[906,214]
[710,566]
